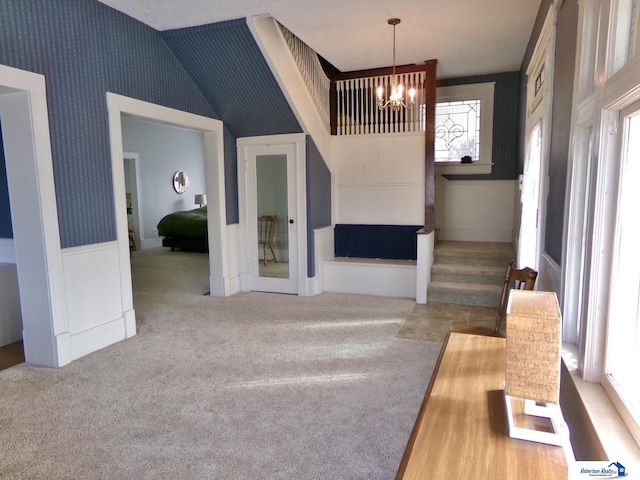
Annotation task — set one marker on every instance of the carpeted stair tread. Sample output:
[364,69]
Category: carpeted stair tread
[465,273]
[465,294]
[473,253]
[466,288]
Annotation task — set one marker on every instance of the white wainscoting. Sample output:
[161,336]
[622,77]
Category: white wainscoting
[324,243]
[549,276]
[426,243]
[475,210]
[97,313]
[232,281]
[379,179]
[7,250]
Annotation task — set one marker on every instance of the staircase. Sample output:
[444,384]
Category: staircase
[469,273]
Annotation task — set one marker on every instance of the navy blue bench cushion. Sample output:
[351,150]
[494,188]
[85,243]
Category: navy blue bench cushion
[376,241]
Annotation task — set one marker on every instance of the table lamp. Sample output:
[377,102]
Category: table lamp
[533,364]
[201,199]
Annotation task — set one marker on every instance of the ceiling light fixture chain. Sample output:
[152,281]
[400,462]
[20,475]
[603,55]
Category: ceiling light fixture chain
[395,100]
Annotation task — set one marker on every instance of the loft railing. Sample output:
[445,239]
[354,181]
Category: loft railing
[357,111]
[312,73]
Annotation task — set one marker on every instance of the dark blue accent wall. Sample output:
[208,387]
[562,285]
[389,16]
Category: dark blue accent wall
[6,229]
[225,62]
[231,177]
[318,199]
[506,117]
[86,49]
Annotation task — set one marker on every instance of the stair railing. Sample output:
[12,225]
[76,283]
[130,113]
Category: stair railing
[357,111]
[317,81]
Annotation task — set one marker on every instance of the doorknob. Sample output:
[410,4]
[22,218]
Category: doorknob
[291,220]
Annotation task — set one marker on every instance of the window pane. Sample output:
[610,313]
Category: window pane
[634,37]
[623,341]
[457,130]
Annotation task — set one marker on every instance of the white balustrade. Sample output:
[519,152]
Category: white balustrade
[357,105]
[356,99]
[312,73]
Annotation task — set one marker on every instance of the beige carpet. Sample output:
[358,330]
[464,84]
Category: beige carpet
[254,386]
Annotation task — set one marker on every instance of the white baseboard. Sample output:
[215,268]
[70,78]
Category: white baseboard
[94,339]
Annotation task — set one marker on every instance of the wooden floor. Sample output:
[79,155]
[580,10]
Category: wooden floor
[11,355]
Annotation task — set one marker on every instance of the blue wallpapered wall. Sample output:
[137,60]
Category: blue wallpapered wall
[85,49]
[225,62]
[318,199]
[506,117]
[6,230]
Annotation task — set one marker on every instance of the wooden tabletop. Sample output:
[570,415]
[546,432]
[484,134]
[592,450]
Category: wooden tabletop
[461,429]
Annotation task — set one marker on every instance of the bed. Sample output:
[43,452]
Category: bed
[185,230]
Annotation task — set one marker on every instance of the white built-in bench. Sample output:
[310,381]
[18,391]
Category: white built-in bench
[373,260]
[10,316]
[371,276]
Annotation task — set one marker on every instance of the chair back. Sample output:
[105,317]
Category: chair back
[521,279]
[266,229]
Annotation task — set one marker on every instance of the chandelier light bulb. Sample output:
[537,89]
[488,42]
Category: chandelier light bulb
[395,101]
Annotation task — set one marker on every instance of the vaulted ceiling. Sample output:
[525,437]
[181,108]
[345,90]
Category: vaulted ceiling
[468,37]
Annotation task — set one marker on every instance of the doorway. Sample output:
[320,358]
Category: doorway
[134,205]
[27,147]
[219,279]
[272,213]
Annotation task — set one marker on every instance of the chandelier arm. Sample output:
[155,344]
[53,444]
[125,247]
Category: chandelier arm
[395,98]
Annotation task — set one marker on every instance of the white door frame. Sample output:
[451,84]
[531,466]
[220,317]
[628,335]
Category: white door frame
[136,204]
[247,197]
[219,281]
[27,145]
[539,111]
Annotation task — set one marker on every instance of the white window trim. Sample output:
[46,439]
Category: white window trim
[473,91]
[598,106]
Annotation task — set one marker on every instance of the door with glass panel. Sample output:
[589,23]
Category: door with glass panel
[271,218]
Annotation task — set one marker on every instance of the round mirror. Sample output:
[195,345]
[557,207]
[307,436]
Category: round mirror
[180,182]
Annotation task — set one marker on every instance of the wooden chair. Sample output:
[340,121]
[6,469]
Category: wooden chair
[266,231]
[522,279]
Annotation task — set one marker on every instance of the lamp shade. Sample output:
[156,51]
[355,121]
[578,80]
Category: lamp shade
[201,199]
[533,346]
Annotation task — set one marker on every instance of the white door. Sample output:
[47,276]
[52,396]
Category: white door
[271,178]
[530,196]
[538,128]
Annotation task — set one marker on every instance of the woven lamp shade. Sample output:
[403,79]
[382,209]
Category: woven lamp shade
[533,346]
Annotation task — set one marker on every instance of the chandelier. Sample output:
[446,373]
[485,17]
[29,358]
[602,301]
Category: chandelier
[395,100]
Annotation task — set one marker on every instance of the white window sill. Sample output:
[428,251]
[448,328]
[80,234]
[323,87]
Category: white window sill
[613,435]
[443,168]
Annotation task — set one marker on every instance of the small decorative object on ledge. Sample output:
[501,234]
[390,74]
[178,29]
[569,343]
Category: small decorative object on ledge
[466,159]
[533,364]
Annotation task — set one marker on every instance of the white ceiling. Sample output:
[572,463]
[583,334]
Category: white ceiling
[468,37]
